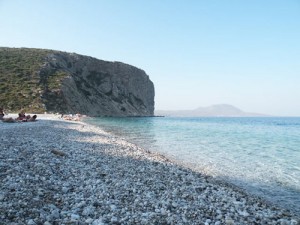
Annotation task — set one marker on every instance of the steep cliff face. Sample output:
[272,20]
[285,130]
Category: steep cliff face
[72,83]
[95,87]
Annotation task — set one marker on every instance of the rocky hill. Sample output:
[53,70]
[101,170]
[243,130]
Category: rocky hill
[38,80]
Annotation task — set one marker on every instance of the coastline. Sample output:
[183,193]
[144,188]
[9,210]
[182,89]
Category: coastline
[62,172]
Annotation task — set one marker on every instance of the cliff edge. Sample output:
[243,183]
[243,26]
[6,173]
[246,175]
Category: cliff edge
[45,80]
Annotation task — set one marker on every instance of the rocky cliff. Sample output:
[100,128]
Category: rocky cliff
[71,83]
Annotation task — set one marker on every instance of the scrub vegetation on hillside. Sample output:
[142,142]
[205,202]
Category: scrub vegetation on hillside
[21,87]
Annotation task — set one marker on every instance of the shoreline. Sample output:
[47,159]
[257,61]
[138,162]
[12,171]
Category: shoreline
[63,172]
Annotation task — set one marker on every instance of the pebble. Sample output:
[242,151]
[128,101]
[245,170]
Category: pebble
[174,204]
[89,220]
[88,211]
[229,221]
[31,222]
[75,217]
[98,221]
[62,172]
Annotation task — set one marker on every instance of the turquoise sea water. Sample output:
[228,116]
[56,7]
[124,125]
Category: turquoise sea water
[261,155]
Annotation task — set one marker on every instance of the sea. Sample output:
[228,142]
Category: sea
[259,155]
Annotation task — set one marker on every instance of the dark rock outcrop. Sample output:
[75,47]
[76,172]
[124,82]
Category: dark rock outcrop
[72,83]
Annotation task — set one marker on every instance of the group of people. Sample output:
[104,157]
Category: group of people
[76,117]
[21,117]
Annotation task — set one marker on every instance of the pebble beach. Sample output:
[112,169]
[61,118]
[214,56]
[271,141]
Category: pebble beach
[54,171]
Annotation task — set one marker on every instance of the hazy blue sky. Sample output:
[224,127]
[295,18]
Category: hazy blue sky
[197,53]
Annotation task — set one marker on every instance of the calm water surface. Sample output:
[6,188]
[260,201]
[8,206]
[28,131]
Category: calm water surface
[261,155]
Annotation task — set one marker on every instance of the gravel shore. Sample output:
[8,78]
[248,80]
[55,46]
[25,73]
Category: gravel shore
[61,172]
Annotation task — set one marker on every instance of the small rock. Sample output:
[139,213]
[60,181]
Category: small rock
[96,204]
[75,217]
[229,221]
[174,204]
[113,207]
[285,222]
[57,152]
[219,217]
[98,222]
[65,190]
[294,222]
[31,222]
[163,211]
[114,219]
[89,220]
[87,211]
[55,214]
[243,213]
[208,221]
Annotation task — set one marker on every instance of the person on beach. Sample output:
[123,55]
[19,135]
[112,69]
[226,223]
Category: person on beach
[72,117]
[9,120]
[21,116]
[32,119]
[26,118]
[1,114]
[29,118]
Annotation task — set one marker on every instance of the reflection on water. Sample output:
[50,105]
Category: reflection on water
[259,154]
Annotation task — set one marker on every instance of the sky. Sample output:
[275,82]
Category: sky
[196,52]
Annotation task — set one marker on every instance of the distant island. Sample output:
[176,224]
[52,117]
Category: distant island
[220,110]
